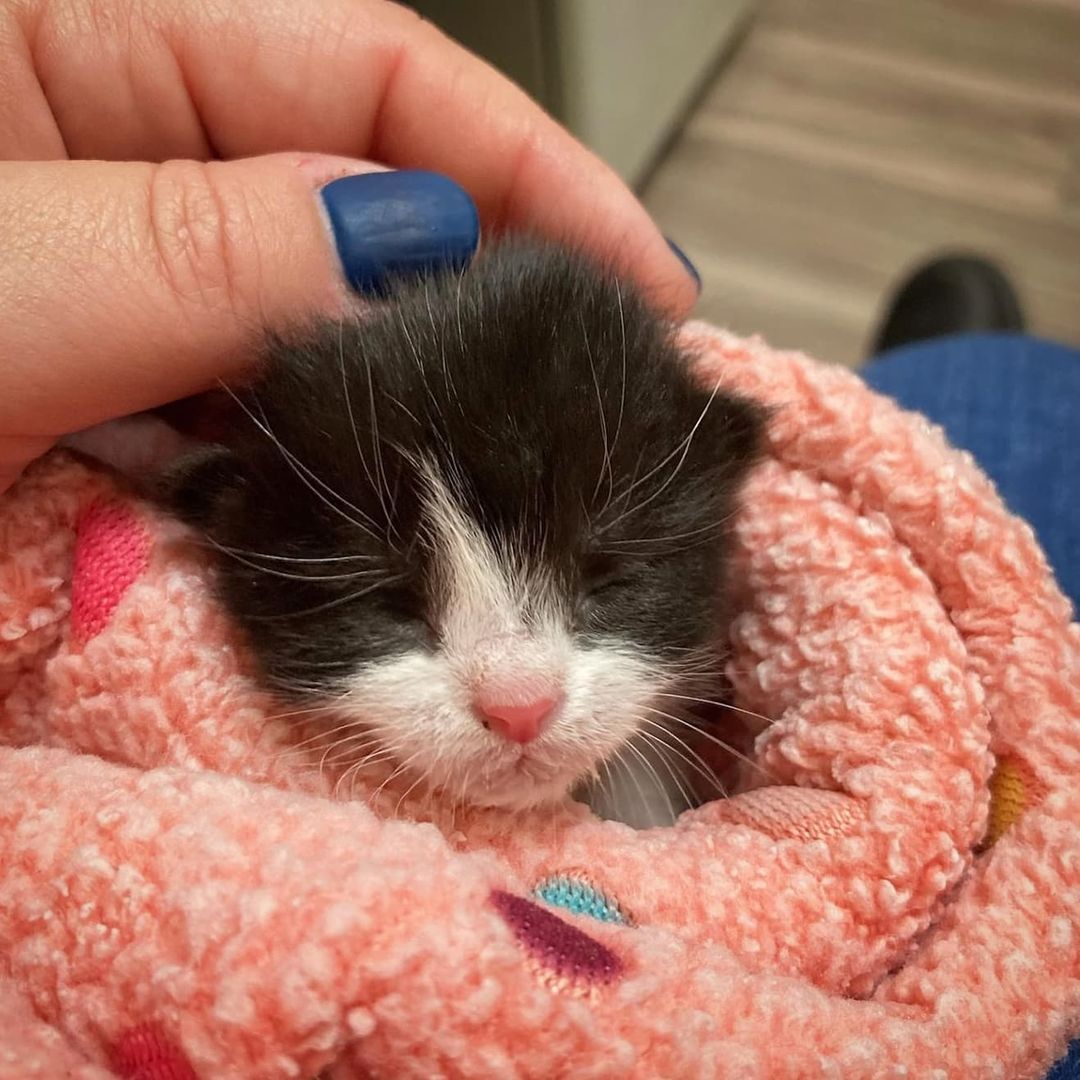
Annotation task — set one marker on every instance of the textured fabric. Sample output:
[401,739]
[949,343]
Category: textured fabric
[1014,402]
[175,863]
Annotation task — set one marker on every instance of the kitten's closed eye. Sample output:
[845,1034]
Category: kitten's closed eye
[602,572]
[405,603]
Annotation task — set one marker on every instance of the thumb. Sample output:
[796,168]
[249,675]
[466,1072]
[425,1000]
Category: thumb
[127,285]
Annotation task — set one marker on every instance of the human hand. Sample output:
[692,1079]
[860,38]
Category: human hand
[160,169]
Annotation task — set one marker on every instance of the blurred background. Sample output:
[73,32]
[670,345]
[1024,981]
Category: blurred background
[806,154]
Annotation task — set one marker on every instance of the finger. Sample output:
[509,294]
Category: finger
[124,286]
[28,128]
[359,77]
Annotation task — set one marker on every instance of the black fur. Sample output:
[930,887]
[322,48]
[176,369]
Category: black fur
[501,375]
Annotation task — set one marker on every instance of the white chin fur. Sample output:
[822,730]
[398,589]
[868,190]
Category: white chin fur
[417,707]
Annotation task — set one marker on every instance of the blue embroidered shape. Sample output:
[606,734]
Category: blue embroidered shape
[575,894]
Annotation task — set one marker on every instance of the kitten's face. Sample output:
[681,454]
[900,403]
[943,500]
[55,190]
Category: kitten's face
[488,525]
[516,672]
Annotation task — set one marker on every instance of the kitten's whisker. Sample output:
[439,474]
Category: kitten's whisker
[634,780]
[403,767]
[271,572]
[659,748]
[376,757]
[684,446]
[292,558]
[461,335]
[299,712]
[607,784]
[622,401]
[308,746]
[338,760]
[372,757]
[699,764]
[720,705]
[419,364]
[304,664]
[606,463]
[710,530]
[460,796]
[352,421]
[381,488]
[358,741]
[405,409]
[408,791]
[726,747]
[299,468]
[440,339]
[297,688]
[660,786]
[336,602]
[348,777]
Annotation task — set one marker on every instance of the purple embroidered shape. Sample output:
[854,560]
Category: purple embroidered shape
[564,951]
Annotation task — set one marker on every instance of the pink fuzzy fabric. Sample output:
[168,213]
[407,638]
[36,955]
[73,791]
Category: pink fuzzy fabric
[185,892]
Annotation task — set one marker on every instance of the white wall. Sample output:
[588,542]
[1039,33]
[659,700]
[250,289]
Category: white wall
[618,73]
[628,68]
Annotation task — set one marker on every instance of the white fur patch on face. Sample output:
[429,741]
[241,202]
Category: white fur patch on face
[501,626]
[479,596]
[418,707]
[506,636]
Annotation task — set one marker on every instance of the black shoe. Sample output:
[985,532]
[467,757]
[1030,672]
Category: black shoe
[954,294]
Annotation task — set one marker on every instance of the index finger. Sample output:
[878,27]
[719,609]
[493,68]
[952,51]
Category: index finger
[370,79]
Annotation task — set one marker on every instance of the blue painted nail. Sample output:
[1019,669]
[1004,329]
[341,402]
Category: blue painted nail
[393,224]
[691,268]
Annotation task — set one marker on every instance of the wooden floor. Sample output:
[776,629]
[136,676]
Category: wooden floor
[846,140]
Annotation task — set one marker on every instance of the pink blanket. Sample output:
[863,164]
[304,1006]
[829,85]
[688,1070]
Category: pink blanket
[190,887]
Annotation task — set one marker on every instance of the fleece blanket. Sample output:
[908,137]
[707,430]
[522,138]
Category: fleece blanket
[191,885]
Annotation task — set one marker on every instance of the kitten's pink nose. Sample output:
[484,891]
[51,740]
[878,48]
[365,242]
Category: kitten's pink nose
[518,723]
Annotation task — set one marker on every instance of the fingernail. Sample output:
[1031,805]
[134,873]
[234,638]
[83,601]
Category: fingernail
[393,224]
[682,257]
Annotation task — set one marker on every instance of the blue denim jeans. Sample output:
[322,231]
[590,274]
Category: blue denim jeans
[1014,402]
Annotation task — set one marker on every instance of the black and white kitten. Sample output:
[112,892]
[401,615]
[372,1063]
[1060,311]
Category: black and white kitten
[489,522]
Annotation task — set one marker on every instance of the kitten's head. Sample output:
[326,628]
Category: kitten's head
[489,522]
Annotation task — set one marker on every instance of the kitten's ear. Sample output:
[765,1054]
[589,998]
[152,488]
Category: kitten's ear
[196,487]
